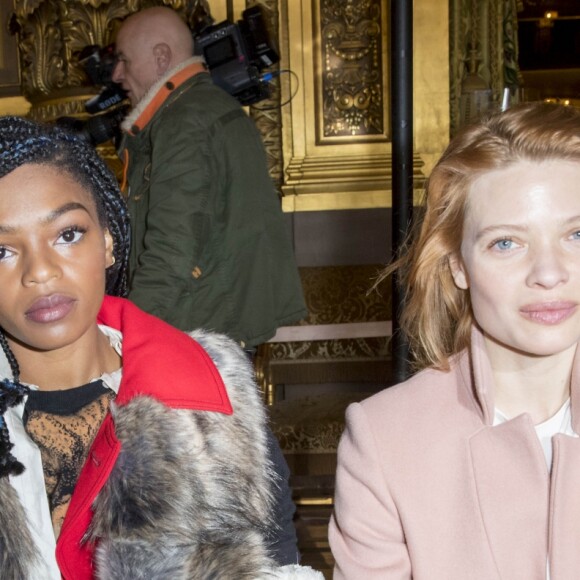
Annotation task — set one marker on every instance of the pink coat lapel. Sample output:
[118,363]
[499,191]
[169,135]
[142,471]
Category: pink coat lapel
[515,521]
[565,508]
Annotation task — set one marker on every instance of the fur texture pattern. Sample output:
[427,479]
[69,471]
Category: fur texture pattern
[190,495]
[18,554]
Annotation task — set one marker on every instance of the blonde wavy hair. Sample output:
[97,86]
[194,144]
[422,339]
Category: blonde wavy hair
[437,316]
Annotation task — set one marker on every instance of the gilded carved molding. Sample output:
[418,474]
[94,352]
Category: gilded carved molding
[336,135]
[49,36]
[41,46]
[351,80]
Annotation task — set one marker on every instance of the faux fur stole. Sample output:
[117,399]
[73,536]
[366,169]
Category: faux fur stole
[190,494]
[19,557]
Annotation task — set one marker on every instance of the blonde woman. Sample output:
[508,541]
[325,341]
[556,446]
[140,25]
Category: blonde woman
[471,469]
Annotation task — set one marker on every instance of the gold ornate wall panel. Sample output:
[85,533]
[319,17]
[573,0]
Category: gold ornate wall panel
[50,34]
[351,76]
[337,147]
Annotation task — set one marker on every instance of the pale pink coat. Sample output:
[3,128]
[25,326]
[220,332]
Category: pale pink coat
[428,489]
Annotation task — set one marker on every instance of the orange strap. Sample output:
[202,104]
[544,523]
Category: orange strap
[125,169]
[163,93]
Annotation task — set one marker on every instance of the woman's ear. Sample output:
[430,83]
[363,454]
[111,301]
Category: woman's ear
[109,257]
[458,272]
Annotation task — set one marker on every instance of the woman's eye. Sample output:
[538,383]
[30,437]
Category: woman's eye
[503,244]
[5,253]
[576,235]
[70,236]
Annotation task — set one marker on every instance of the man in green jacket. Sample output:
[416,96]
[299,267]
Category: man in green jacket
[210,247]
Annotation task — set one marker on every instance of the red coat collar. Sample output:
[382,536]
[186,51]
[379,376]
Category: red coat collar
[163,362]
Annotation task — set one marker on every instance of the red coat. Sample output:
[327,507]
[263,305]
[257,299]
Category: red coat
[159,361]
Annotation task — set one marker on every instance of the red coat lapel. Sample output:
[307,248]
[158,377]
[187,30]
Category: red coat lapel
[163,362]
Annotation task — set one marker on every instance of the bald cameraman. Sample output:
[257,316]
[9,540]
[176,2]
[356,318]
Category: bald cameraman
[210,245]
[210,248]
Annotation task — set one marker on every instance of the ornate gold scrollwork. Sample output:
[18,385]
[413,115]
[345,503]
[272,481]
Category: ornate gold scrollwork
[51,33]
[352,87]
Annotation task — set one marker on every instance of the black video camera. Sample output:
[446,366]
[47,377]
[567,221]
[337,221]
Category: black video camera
[98,64]
[236,54]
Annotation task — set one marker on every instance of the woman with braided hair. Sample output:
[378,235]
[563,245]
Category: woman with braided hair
[128,449]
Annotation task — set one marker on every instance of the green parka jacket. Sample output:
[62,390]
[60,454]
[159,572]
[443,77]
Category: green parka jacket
[210,246]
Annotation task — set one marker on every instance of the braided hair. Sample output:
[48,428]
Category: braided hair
[25,142]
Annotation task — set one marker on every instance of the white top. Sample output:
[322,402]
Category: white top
[561,422]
